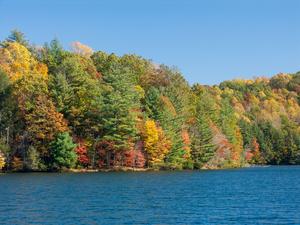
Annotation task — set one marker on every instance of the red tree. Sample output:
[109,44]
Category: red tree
[135,157]
[82,153]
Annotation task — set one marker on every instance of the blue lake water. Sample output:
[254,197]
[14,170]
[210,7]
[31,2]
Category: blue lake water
[242,196]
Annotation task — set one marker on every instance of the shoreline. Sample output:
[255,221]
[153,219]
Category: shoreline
[131,169]
[116,169]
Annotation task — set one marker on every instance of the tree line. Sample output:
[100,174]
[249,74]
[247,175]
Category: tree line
[84,109]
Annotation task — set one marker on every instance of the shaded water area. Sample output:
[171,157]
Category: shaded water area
[269,195]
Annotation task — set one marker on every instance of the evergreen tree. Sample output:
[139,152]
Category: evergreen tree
[203,148]
[118,115]
[16,36]
[62,151]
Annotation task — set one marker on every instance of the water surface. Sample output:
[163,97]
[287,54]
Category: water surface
[243,196]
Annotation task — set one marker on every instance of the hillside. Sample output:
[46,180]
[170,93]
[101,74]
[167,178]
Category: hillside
[85,109]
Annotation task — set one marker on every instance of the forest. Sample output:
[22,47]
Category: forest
[83,109]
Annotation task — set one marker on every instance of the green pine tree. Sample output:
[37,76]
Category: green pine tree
[62,151]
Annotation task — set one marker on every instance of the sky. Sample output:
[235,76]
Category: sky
[209,41]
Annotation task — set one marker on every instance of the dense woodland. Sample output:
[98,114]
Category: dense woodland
[89,109]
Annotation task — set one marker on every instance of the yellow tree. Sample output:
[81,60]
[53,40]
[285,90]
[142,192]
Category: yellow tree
[155,142]
[237,149]
[16,61]
[150,139]
[2,161]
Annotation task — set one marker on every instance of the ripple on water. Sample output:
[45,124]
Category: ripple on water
[244,196]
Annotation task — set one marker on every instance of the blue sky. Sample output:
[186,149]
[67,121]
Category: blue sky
[208,40]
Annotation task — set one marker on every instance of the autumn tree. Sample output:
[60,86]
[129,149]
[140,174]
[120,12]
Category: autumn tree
[43,123]
[81,49]
[156,144]
[223,149]
[82,153]
[17,62]
[256,155]
[2,160]
[135,156]
[230,128]
[128,111]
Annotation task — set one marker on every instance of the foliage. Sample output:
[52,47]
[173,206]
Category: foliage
[82,153]
[202,146]
[2,160]
[33,161]
[43,123]
[16,36]
[156,144]
[81,49]
[17,164]
[128,111]
[62,151]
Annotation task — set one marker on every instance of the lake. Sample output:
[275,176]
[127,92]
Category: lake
[268,195]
